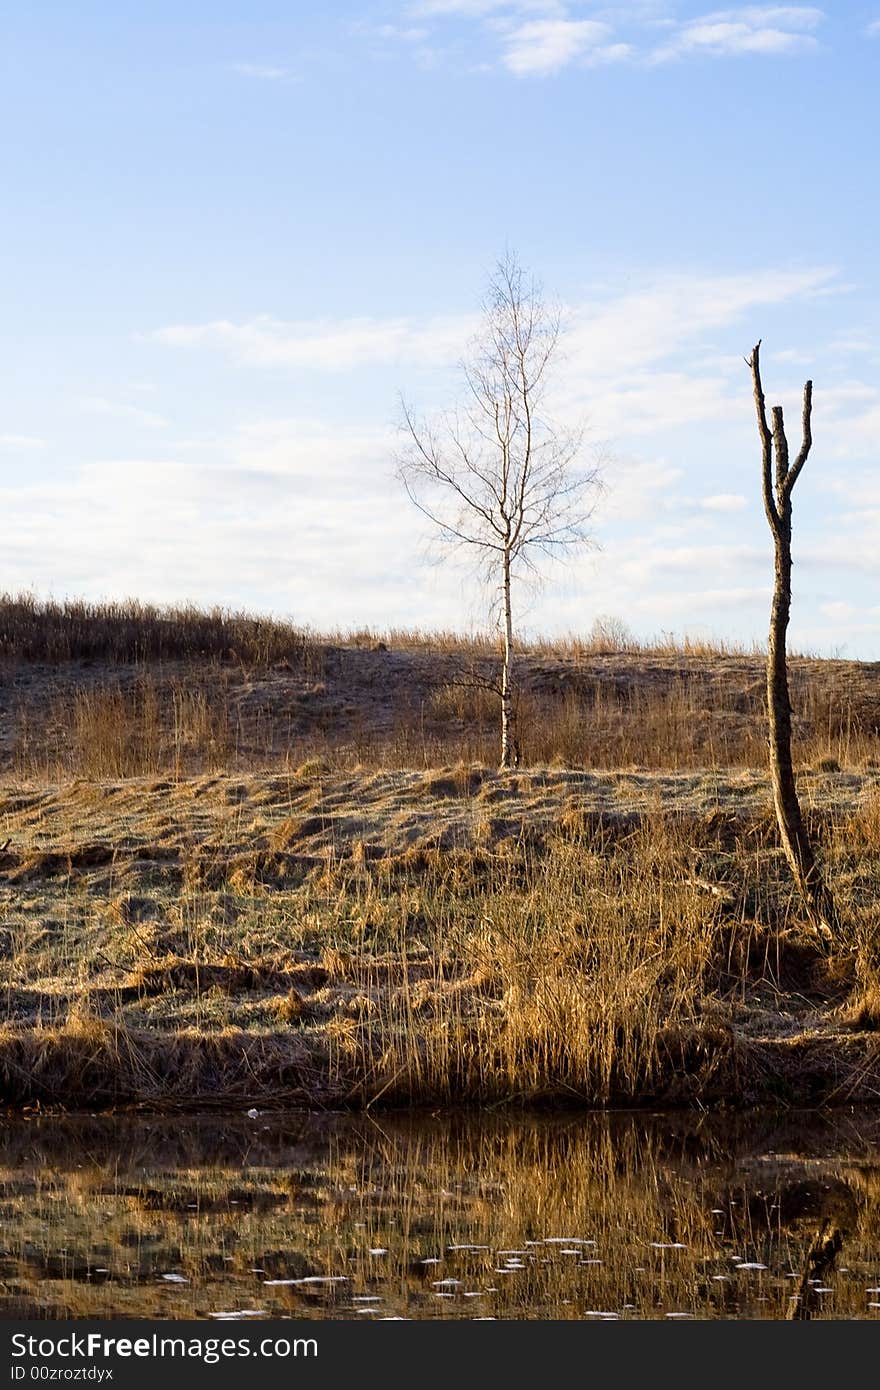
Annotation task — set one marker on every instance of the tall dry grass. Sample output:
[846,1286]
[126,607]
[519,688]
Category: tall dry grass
[128,689]
[50,630]
[592,970]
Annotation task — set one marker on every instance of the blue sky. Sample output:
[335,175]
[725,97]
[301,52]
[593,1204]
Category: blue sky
[234,233]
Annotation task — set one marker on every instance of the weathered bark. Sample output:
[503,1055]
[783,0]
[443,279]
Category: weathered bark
[509,744]
[796,843]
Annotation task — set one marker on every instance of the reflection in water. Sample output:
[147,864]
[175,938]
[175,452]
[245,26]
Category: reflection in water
[460,1217]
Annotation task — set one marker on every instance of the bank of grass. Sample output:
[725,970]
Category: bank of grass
[240,861]
[456,936]
[132,689]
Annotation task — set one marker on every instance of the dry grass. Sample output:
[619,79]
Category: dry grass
[283,868]
[129,689]
[48,630]
[459,935]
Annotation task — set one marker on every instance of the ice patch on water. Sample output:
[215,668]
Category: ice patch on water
[174,1279]
[309,1279]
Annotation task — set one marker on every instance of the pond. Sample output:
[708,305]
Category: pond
[446,1216]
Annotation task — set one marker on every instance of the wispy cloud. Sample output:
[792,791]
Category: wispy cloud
[873,29]
[327,345]
[755,29]
[21,441]
[541,37]
[724,502]
[266,72]
[544,46]
[405,33]
[634,365]
[120,410]
[480,9]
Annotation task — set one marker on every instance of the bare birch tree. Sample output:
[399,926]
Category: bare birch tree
[778,477]
[494,474]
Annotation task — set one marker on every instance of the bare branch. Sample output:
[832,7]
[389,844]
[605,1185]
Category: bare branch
[766,440]
[807,439]
[496,474]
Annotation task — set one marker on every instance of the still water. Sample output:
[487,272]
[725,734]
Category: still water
[456,1216]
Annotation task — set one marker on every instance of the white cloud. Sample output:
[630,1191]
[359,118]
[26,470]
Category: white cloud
[119,410]
[617,367]
[403,33]
[542,47]
[480,9]
[677,601]
[762,29]
[541,37]
[638,364]
[873,29]
[792,356]
[604,336]
[327,345]
[260,70]
[649,322]
[840,611]
[724,502]
[21,441]
[638,488]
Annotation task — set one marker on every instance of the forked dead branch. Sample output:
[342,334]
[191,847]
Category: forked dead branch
[777,486]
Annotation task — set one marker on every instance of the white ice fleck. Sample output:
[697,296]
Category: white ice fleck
[310,1279]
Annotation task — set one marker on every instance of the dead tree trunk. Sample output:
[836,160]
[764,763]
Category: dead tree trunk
[509,744]
[777,492]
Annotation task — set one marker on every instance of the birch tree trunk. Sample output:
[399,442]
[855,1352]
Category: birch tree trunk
[810,884]
[494,474]
[509,744]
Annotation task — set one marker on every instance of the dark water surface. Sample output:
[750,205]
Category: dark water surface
[457,1216]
